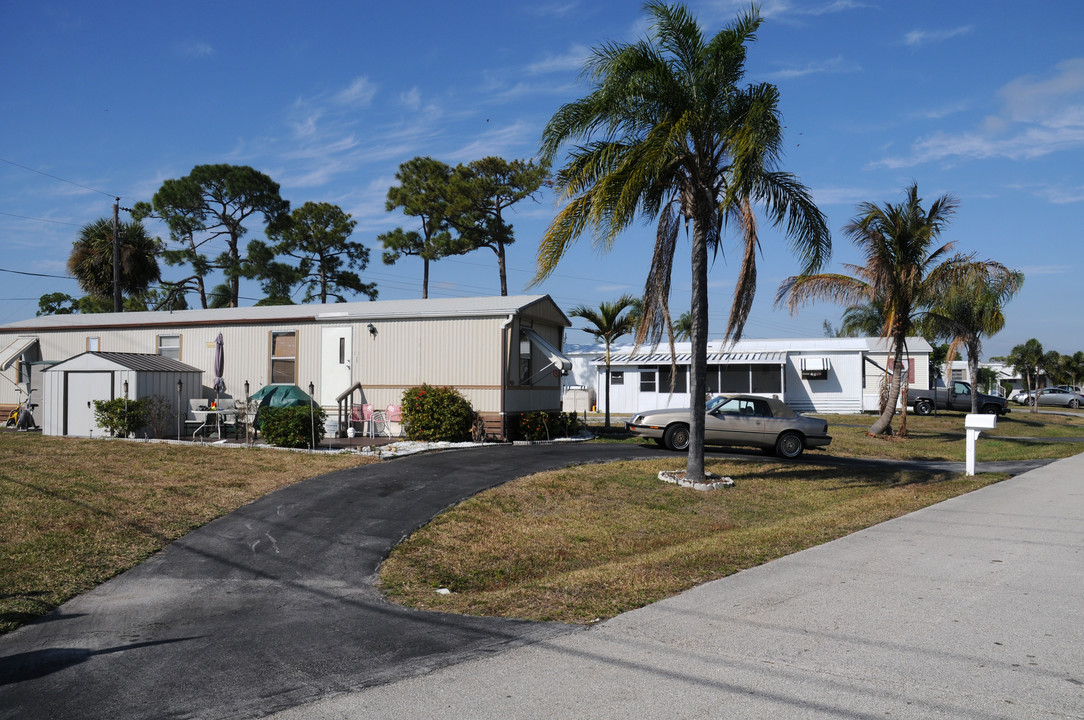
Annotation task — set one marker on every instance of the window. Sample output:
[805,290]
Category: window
[680,379]
[169,346]
[284,357]
[94,344]
[524,359]
[814,368]
[766,379]
[713,379]
[734,379]
[647,379]
[617,377]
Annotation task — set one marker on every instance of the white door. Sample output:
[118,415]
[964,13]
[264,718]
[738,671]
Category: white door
[83,389]
[335,359]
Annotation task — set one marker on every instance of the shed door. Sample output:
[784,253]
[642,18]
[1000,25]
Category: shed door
[82,389]
[335,360]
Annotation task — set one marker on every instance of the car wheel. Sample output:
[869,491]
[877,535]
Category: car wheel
[789,445]
[923,407]
[991,410]
[1074,403]
[677,437]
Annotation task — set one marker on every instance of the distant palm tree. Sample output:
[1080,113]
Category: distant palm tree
[91,260]
[668,132]
[683,327]
[905,270]
[608,323]
[1027,361]
[971,311]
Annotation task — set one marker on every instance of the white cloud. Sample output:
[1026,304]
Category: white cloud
[197,49]
[572,60]
[411,99]
[834,65]
[1039,116]
[780,9]
[359,94]
[918,38]
[498,141]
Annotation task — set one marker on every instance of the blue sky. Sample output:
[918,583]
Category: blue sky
[982,100]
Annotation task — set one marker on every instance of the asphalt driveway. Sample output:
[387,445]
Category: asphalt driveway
[274,605]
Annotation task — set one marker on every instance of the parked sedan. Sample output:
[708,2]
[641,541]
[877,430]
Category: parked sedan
[736,420]
[1060,397]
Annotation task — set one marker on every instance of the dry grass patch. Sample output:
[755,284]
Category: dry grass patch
[942,437]
[593,541]
[74,513]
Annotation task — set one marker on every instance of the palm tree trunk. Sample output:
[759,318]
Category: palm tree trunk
[425,278]
[698,380]
[884,422]
[607,425]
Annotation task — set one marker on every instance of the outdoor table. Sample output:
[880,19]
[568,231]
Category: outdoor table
[204,416]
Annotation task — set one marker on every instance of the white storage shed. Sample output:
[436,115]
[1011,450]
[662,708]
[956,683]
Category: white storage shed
[70,388]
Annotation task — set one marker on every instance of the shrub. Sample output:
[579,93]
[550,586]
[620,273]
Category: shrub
[434,414]
[121,417]
[542,425]
[292,426]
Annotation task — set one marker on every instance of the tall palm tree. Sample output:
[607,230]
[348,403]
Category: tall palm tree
[905,270]
[667,132]
[91,260]
[608,322]
[968,313]
[1027,361]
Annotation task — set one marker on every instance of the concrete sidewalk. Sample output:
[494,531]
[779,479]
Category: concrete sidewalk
[973,608]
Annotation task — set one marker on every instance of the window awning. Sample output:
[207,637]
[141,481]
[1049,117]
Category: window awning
[555,356]
[814,364]
[11,353]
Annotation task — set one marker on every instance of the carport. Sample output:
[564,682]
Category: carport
[71,387]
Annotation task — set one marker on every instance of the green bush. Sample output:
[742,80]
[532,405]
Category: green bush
[121,417]
[542,425]
[292,426]
[435,414]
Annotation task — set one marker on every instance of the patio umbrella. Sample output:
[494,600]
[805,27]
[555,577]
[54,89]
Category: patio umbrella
[220,364]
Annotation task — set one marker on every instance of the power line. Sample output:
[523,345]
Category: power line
[31,274]
[26,217]
[57,177]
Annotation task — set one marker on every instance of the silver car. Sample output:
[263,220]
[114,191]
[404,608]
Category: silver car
[736,420]
[1061,397]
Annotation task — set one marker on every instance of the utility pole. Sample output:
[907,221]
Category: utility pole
[117,303]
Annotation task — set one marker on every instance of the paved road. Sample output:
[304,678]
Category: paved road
[274,606]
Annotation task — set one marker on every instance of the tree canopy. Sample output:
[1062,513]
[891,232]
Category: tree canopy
[318,237]
[421,193]
[212,204]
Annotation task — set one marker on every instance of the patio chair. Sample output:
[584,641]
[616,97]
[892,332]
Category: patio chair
[394,414]
[196,415]
[363,415]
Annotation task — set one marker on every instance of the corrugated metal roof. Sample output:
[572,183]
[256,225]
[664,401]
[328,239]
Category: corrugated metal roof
[746,358]
[142,362]
[330,312]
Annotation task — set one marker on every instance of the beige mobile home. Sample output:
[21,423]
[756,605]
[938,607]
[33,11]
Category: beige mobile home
[502,353]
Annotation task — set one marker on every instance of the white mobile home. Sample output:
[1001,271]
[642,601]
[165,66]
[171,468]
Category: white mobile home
[502,353]
[832,375]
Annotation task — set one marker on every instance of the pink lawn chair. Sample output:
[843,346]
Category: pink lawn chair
[394,414]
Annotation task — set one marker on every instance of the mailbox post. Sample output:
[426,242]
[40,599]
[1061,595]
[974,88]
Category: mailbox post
[974,425]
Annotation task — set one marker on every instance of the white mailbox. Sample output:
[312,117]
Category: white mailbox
[980,422]
[973,425]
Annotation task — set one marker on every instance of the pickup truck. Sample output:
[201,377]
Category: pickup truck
[957,397]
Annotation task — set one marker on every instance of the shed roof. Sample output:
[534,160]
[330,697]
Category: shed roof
[330,312]
[141,362]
